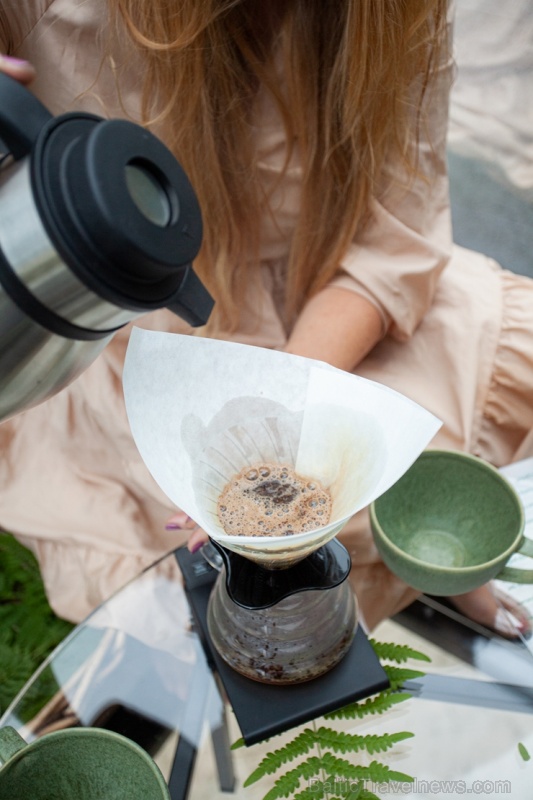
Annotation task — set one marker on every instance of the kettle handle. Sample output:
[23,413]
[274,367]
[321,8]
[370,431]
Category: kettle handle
[22,117]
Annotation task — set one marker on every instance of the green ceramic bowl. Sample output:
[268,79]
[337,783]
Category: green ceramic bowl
[77,764]
[450,524]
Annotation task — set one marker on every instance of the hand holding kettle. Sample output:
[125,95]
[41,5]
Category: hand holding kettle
[98,226]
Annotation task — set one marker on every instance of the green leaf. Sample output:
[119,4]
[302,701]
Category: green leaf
[314,792]
[239,743]
[375,771]
[287,784]
[399,675]
[328,738]
[397,652]
[351,743]
[273,761]
[522,749]
[373,705]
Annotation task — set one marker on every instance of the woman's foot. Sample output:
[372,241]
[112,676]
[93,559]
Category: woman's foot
[494,609]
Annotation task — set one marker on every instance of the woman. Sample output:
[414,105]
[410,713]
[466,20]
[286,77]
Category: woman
[314,135]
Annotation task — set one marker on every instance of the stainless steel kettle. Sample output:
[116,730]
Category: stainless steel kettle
[98,225]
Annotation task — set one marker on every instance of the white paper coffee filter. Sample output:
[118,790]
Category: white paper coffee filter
[201,410]
[245,432]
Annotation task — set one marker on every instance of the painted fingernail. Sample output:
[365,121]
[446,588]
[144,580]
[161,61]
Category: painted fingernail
[15,62]
[195,547]
[173,526]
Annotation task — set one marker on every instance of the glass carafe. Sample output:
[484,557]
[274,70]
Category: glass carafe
[284,626]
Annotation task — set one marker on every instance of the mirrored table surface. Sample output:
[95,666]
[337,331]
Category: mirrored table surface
[137,666]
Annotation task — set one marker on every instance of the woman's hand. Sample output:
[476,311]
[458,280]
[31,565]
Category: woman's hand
[181,521]
[16,68]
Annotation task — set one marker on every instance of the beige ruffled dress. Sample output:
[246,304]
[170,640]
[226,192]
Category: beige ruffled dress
[460,342]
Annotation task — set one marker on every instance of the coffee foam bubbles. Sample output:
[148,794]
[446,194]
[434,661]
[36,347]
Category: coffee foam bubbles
[272,500]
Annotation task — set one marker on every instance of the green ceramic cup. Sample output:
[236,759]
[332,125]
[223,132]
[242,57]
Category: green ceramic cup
[450,524]
[80,763]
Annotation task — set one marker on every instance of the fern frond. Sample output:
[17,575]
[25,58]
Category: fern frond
[320,790]
[399,675]
[29,630]
[344,790]
[375,771]
[288,783]
[299,746]
[364,794]
[15,661]
[333,789]
[329,776]
[315,792]
[397,652]
[357,793]
[373,705]
[284,786]
[341,742]
[238,743]
[347,790]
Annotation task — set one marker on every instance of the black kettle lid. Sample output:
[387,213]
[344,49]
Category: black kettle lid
[119,207]
[115,202]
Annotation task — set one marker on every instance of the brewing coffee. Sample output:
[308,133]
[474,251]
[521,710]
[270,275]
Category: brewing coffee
[272,500]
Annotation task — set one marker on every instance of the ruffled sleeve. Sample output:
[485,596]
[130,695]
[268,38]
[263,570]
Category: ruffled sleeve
[396,262]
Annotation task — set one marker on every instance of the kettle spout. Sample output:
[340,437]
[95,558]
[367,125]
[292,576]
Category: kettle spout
[192,302]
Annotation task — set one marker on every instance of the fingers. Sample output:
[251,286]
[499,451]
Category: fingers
[198,538]
[22,71]
[181,521]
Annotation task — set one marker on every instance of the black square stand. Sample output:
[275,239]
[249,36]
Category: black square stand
[263,710]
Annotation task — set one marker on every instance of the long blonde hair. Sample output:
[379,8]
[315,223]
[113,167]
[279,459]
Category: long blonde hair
[349,68]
